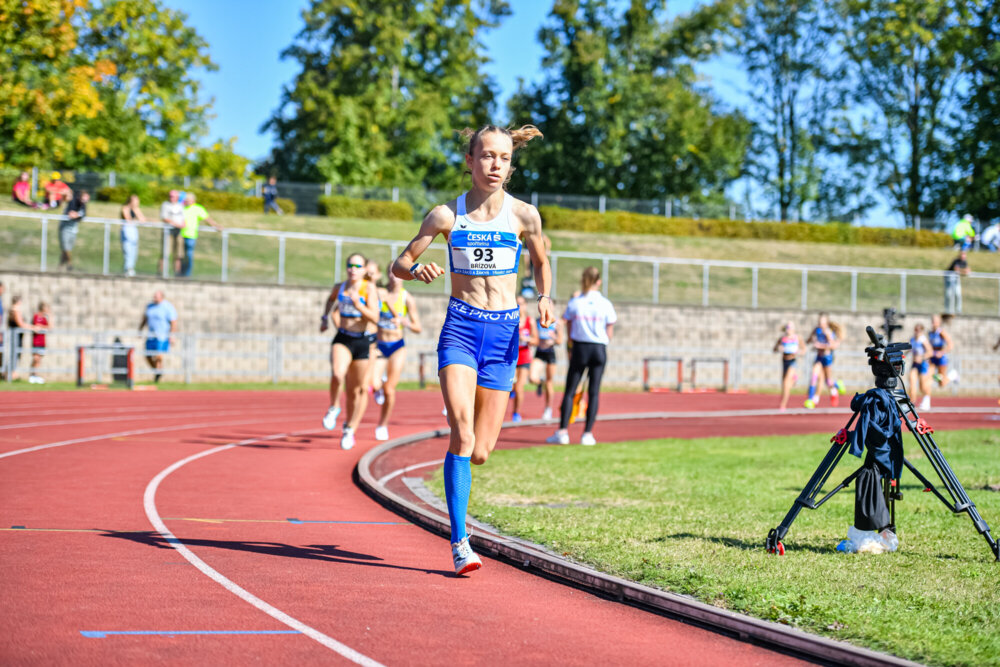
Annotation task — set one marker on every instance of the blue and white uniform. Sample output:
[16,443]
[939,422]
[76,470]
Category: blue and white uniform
[356,341]
[937,344]
[546,352]
[789,344]
[385,322]
[917,344]
[485,340]
[824,356]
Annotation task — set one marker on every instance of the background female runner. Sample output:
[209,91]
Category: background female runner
[527,336]
[356,301]
[373,274]
[590,321]
[788,345]
[825,338]
[477,349]
[941,344]
[920,379]
[398,313]
[545,361]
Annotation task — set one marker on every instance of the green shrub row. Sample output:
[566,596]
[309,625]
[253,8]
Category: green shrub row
[337,206]
[210,199]
[622,222]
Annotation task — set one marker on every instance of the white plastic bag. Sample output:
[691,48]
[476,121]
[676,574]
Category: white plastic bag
[868,541]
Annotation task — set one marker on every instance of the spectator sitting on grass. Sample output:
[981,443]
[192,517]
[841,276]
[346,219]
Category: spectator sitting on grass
[22,191]
[963,234]
[56,191]
[270,192]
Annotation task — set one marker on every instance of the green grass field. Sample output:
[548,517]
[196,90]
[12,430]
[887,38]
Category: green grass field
[255,260]
[690,516]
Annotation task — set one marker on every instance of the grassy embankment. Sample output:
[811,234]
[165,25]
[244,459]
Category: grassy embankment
[255,260]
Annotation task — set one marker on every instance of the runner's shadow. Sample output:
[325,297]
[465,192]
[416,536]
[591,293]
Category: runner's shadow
[330,553]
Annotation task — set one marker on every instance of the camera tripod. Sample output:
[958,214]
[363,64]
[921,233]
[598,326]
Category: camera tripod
[887,365]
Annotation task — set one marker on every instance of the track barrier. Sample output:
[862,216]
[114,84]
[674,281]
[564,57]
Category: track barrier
[646,386]
[120,354]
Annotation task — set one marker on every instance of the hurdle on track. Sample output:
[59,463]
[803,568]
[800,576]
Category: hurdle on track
[709,360]
[420,369]
[117,350]
[646,386]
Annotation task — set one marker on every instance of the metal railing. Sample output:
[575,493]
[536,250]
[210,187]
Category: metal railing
[630,278]
[230,357]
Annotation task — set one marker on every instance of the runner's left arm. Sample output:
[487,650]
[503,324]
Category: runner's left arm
[534,241]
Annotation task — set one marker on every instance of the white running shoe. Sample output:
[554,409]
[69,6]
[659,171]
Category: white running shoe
[330,418]
[379,397]
[547,414]
[381,433]
[347,439]
[560,437]
[925,403]
[953,375]
[465,558]
[587,439]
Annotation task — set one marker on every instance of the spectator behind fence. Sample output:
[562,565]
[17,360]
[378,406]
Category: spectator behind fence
[270,192]
[56,191]
[76,211]
[172,213]
[964,234]
[3,325]
[15,320]
[41,322]
[130,213]
[990,238]
[161,318]
[953,284]
[194,215]
[22,192]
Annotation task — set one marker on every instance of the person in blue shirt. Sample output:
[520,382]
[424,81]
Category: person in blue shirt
[825,338]
[161,318]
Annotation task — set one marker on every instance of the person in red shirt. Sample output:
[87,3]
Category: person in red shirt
[41,323]
[56,191]
[22,191]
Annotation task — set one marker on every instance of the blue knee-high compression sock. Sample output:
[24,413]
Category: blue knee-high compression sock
[812,386]
[457,485]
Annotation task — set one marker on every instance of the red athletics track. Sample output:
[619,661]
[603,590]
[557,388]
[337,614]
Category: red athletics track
[80,553]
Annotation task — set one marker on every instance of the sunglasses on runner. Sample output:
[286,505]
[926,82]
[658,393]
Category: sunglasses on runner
[355,266]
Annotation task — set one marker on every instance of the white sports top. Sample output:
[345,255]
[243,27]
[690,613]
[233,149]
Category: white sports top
[484,248]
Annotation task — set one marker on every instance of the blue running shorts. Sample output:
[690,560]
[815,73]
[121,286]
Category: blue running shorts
[485,340]
[157,345]
[824,360]
[940,361]
[387,349]
[922,366]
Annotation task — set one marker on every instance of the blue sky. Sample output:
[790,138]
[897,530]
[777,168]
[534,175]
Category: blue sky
[246,38]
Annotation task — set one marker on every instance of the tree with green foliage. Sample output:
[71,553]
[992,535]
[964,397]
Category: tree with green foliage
[621,108]
[383,87]
[105,84]
[976,156]
[905,78]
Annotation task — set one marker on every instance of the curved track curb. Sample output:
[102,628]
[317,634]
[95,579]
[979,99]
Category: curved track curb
[536,558]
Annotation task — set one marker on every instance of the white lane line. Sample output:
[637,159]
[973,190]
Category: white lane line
[153,414]
[142,431]
[141,409]
[149,504]
[396,473]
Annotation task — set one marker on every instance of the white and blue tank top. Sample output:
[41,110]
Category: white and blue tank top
[344,303]
[484,248]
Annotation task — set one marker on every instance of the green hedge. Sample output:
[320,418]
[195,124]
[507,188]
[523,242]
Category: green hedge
[210,199]
[622,222]
[337,206]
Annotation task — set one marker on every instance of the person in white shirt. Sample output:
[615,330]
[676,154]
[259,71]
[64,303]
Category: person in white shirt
[590,321]
[172,213]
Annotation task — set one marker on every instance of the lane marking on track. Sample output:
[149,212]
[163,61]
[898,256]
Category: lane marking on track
[288,520]
[101,634]
[149,504]
[396,473]
[144,431]
[356,523]
[158,414]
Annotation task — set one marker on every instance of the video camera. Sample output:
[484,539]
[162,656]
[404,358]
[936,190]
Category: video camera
[891,322]
[887,361]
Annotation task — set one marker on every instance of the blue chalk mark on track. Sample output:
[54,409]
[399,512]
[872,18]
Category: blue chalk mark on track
[101,634]
[363,523]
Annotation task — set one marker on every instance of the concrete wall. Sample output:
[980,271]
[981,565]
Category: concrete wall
[743,335]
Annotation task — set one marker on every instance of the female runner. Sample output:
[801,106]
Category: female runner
[920,379]
[941,344]
[788,345]
[399,312]
[545,354]
[477,350]
[373,274]
[527,336]
[825,338]
[356,301]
